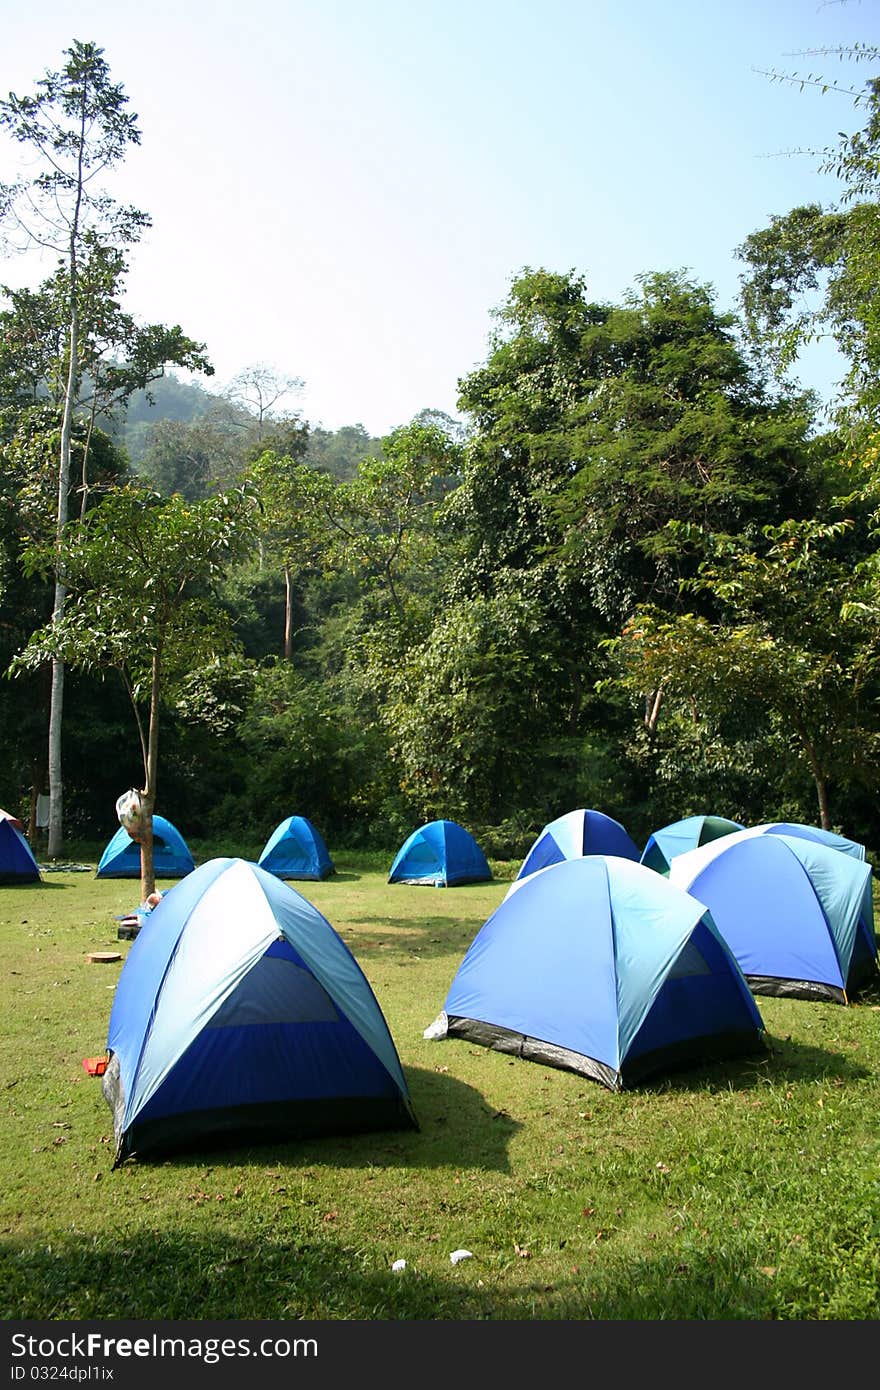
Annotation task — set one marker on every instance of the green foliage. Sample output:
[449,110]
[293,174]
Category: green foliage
[306,756]
[791,649]
[468,710]
[813,270]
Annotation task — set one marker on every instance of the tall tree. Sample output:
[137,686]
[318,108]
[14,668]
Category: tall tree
[77,126]
[797,646]
[143,573]
[813,271]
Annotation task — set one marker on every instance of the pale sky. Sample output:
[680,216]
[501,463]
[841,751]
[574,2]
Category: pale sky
[343,190]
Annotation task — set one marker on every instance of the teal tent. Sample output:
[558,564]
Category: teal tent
[682,835]
[295,850]
[171,856]
[442,854]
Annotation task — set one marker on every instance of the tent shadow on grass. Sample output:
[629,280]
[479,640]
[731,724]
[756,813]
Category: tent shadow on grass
[458,1129]
[35,887]
[178,1275]
[786,1060]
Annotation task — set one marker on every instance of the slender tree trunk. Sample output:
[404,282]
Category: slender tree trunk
[820,778]
[148,796]
[56,699]
[822,796]
[653,701]
[288,615]
[56,705]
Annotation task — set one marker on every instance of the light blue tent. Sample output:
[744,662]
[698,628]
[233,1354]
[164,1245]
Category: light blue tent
[17,862]
[600,966]
[171,856]
[575,834]
[295,850]
[241,1013]
[797,915]
[441,853]
[662,845]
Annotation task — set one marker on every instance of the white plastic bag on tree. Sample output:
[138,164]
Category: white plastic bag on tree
[130,812]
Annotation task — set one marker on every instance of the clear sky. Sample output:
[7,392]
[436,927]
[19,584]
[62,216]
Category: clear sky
[343,190]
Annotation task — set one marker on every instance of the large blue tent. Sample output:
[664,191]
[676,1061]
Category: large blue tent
[295,849]
[442,854]
[171,856]
[600,966]
[797,914]
[240,1012]
[575,834]
[662,845]
[17,862]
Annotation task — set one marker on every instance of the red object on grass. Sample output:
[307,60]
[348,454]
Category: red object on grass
[95,1066]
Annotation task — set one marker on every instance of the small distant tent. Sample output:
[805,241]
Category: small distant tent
[797,915]
[171,856]
[682,835]
[295,850]
[600,966]
[575,834]
[17,862]
[241,1014]
[441,853]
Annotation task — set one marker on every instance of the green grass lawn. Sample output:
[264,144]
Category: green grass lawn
[745,1190]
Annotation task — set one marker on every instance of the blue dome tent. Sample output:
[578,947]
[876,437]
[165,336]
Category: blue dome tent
[441,853]
[241,1013]
[171,856]
[600,966]
[17,862]
[797,915]
[575,834]
[682,835]
[295,850]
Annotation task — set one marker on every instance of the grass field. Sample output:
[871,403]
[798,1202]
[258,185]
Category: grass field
[745,1190]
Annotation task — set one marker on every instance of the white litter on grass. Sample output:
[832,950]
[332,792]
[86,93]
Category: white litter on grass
[460,1255]
[399,1264]
[438,1029]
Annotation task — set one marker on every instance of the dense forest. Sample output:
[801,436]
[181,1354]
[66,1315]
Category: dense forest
[643,576]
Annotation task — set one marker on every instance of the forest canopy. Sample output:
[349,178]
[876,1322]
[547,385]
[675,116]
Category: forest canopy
[643,575]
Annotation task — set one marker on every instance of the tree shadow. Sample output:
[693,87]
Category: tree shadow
[426,937]
[34,887]
[292,1274]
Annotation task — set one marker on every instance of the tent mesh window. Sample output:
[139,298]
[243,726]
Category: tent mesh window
[690,962]
[276,990]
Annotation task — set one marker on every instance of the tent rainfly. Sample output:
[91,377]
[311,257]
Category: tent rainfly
[600,966]
[575,834]
[295,850]
[17,862]
[682,835]
[240,1013]
[797,915]
[171,856]
[441,853]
